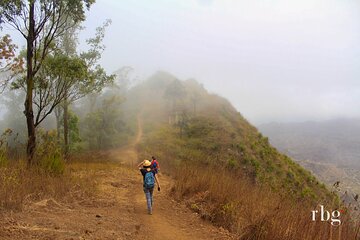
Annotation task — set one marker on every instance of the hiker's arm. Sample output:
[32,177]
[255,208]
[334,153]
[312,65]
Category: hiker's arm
[157,180]
[140,164]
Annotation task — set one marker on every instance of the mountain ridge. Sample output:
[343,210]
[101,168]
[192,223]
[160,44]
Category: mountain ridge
[222,165]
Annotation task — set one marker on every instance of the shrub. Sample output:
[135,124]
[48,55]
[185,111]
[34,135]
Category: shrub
[53,164]
[3,158]
[49,153]
[4,147]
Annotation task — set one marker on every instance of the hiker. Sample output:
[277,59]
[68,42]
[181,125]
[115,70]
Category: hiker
[155,165]
[149,178]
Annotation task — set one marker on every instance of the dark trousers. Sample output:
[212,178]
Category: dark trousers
[149,198]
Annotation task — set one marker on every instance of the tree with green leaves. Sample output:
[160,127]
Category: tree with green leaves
[67,76]
[57,74]
[96,77]
[107,120]
[73,129]
[40,22]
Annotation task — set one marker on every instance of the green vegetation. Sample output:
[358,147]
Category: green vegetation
[218,136]
[224,168]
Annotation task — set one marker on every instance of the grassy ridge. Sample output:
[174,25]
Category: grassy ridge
[231,196]
[228,172]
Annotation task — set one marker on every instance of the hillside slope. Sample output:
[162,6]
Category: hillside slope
[213,132]
[224,168]
[330,149]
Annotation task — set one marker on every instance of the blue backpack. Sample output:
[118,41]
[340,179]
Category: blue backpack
[149,180]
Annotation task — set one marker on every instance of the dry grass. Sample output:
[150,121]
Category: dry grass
[20,185]
[252,211]
[52,177]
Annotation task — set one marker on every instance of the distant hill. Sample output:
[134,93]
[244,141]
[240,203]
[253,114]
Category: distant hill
[214,132]
[329,149]
[335,141]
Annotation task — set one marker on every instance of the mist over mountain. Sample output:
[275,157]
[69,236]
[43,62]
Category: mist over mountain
[333,141]
[91,90]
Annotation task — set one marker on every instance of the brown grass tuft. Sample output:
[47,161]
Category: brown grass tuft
[252,211]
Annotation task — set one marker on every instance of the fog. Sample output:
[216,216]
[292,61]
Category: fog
[274,60]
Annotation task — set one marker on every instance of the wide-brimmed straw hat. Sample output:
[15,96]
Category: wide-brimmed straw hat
[147,164]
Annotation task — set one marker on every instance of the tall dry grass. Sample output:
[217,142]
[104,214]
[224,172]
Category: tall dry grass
[48,178]
[254,212]
[20,185]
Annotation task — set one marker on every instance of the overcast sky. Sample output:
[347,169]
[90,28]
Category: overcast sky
[275,60]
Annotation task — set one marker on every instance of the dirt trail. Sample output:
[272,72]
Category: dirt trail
[127,154]
[171,220]
[118,211]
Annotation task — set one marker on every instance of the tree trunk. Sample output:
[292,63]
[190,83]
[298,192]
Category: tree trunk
[57,116]
[31,144]
[66,128]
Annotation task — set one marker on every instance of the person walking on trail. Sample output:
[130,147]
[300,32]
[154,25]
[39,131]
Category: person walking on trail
[155,165]
[149,178]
